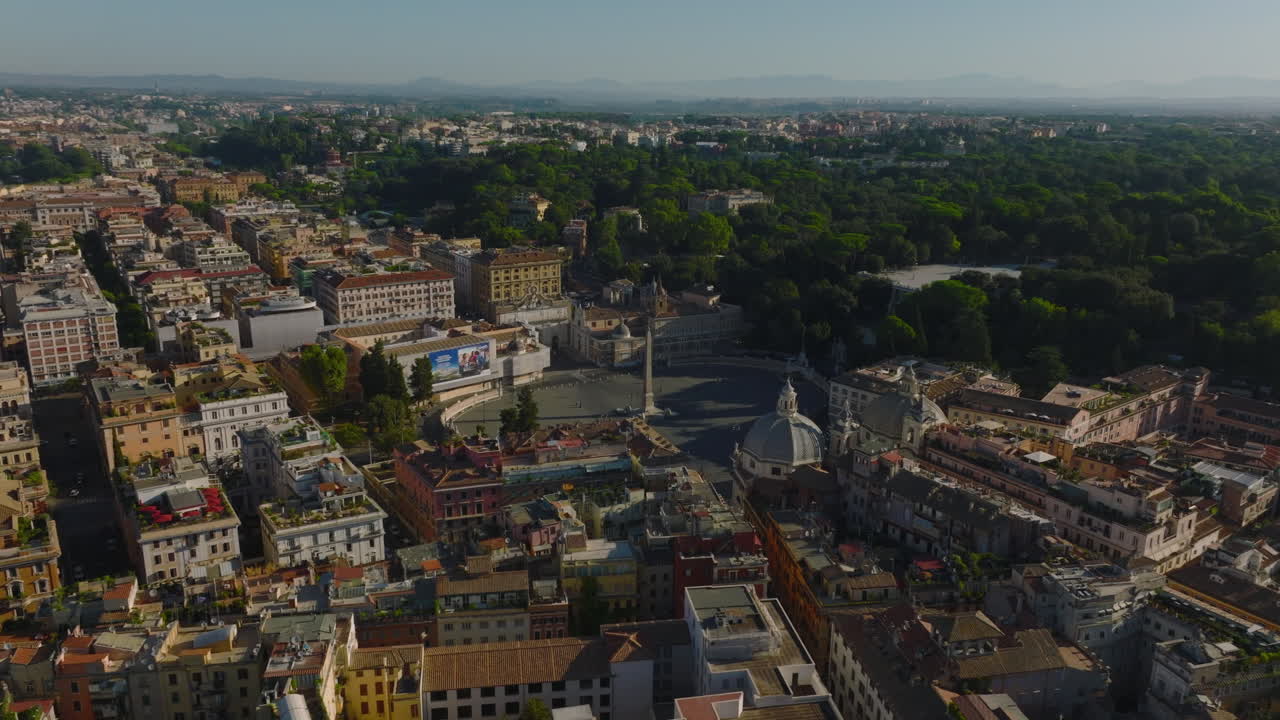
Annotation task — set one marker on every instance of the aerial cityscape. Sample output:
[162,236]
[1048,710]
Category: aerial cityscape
[782,397]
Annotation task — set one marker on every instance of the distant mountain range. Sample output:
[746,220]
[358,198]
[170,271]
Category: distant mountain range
[977,86]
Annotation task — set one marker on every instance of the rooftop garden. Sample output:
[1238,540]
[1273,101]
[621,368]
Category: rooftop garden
[33,532]
[232,393]
[154,517]
[290,516]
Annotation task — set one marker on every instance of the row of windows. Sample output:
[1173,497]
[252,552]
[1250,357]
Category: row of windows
[532,688]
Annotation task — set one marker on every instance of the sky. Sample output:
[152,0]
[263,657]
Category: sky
[1078,44]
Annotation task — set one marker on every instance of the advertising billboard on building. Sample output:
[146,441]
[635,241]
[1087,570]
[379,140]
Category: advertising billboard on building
[460,362]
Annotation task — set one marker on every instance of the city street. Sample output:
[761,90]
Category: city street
[87,526]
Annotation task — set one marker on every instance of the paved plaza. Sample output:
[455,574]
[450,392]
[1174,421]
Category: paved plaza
[710,406]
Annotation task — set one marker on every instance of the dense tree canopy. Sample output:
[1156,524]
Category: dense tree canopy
[1163,238]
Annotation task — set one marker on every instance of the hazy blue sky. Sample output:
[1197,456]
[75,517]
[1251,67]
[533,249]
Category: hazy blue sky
[499,41]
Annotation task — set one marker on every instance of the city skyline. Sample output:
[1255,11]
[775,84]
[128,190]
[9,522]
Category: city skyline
[662,42]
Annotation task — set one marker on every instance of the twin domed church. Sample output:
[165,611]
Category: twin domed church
[784,441]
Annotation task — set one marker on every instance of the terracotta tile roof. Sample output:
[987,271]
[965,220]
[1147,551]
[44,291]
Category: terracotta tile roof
[703,707]
[1036,652]
[498,582]
[965,627]
[515,663]
[348,573]
[359,281]
[394,656]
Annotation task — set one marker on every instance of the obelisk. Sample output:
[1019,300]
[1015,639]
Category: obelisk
[649,407]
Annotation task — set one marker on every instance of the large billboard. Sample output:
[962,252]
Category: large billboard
[460,362]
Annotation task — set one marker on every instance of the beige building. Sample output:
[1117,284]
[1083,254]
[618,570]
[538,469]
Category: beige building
[15,390]
[137,419]
[513,276]
[350,298]
[199,671]
[202,343]
[493,607]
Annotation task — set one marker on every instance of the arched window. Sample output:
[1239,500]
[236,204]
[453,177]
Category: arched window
[217,444]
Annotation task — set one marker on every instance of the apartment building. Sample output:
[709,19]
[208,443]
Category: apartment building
[450,495]
[15,390]
[1065,422]
[1095,605]
[1235,418]
[513,275]
[811,580]
[348,298]
[383,683]
[303,655]
[339,520]
[899,663]
[611,564]
[136,419]
[199,671]
[1245,496]
[221,217]
[742,643]
[65,326]
[484,608]
[225,395]
[178,524]
[29,548]
[212,254]
[610,675]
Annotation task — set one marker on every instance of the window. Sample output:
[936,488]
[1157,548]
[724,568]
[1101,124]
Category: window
[557,686]
[535,687]
[513,708]
[557,702]
[488,691]
[464,694]
[488,710]
[604,700]
[464,711]
[604,682]
[439,713]
[382,708]
[364,690]
[364,708]
[75,686]
[585,684]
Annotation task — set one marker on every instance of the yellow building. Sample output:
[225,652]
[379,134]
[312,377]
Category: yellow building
[382,683]
[510,276]
[29,549]
[610,564]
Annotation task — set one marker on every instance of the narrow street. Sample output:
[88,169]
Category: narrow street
[87,527]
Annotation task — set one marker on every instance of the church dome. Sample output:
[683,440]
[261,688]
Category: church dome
[622,331]
[887,414]
[784,436]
